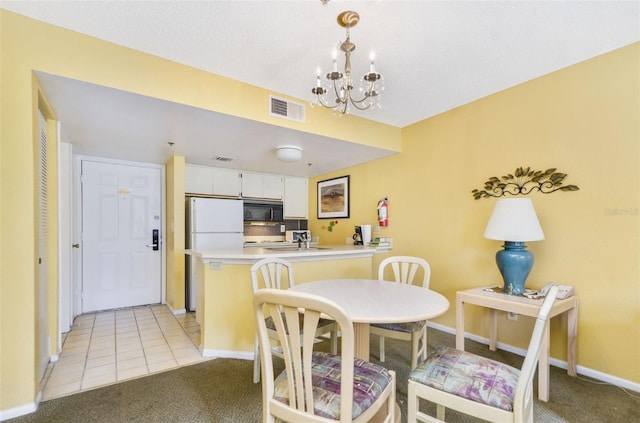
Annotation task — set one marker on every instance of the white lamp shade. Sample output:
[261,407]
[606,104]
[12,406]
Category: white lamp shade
[514,219]
[289,153]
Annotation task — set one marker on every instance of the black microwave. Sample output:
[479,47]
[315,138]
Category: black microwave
[263,211]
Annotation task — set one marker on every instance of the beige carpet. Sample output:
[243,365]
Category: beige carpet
[221,390]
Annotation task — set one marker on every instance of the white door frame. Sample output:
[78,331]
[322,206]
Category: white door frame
[77,225]
[65,267]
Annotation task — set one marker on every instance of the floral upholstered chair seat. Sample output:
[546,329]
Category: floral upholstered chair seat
[369,381]
[469,376]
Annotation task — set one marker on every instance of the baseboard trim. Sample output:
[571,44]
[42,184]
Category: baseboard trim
[581,370]
[176,312]
[21,410]
[241,355]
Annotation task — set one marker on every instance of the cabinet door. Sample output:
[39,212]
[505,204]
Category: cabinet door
[227,182]
[296,198]
[251,185]
[198,179]
[262,185]
[272,187]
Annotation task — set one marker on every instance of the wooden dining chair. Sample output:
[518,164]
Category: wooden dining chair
[270,271]
[476,385]
[405,269]
[317,386]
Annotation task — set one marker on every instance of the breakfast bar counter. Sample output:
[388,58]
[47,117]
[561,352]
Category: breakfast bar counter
[224,304]
[289,252]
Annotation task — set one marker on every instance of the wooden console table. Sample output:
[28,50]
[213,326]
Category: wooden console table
[495,301]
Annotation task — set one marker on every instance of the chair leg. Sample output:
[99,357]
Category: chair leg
[418,347]
[424,345]
[382,349]
[415,349]
[256,363]
[412,404]
[334,341]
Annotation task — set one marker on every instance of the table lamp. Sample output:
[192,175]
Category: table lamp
[514,221]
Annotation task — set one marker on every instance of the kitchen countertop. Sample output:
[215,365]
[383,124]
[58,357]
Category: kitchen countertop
[282,244]
[287,251]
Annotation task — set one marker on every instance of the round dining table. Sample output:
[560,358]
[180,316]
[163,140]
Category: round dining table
[368,301]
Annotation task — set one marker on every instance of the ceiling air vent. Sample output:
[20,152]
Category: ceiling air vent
[286,109]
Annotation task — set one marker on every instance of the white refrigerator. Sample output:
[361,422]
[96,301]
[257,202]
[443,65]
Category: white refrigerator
[211,223]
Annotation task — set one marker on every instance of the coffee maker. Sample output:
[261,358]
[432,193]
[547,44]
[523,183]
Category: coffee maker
[357,237]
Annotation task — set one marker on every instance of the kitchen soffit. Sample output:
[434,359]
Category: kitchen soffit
[105,122]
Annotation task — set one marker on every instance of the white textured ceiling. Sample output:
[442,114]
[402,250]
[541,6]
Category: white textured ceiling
[434,55]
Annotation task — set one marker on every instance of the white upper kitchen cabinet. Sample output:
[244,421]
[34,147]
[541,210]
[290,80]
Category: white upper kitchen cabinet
[296,198]
[212,181]
[262,185]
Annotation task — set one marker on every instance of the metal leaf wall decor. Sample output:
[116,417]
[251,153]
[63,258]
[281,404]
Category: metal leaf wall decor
[524,181]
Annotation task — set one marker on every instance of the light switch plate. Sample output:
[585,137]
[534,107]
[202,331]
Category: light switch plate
[282,228]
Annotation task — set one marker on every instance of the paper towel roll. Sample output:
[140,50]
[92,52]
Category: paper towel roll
[366,234]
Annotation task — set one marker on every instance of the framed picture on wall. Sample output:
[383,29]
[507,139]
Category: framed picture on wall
[333,198]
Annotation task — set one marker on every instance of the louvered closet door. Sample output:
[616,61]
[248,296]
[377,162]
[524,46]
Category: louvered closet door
[43,256]
[121,206]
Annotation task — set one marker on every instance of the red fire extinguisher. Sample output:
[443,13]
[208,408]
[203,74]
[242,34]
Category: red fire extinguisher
[383,212]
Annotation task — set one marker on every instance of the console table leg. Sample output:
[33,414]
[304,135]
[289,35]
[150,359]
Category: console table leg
[493,329]
[572,331]
[459,324]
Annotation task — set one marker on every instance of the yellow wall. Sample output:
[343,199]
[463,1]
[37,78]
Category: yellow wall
[584,121]
[175,233]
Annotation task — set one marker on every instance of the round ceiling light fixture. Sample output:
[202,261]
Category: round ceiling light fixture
[289,153]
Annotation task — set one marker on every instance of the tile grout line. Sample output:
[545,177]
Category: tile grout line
[86,356]
[165,337]
[144,353]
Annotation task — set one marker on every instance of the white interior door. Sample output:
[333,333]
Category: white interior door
[121,260]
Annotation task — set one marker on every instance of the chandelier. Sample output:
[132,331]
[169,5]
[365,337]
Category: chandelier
[341,84]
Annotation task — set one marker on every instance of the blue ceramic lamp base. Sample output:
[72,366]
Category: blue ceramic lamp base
[515,263]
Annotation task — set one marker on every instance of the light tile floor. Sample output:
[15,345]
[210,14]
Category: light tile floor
[112,346]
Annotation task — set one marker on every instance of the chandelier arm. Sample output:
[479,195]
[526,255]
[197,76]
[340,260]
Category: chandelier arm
[356,104]
[367,96]
[323,104]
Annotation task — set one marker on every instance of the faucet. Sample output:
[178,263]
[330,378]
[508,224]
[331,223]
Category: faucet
[305,238]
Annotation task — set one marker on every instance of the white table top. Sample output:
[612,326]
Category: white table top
[374,301]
